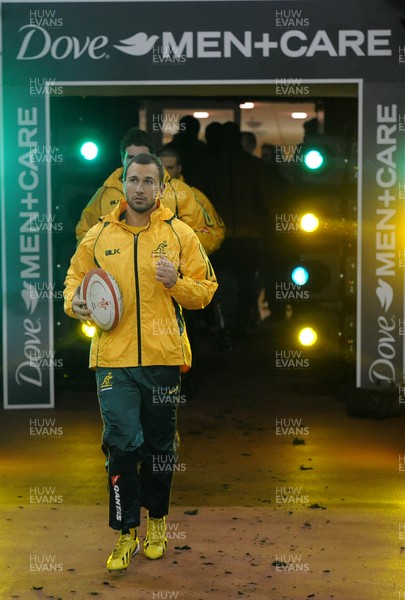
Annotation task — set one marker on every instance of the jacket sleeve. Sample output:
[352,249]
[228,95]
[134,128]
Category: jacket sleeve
[218,226]
[193,213]
[90,214]
[81,263]
[196,282]
[102,203]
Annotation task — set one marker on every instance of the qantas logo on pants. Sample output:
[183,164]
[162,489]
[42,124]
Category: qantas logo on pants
[114,479]
[118,510]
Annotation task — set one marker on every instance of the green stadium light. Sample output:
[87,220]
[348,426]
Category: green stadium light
[89,150]
[314,159]
[321,159]
[300,275]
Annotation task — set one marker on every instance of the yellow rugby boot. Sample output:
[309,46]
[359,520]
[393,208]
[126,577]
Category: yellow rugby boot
[155,542]
[127,546]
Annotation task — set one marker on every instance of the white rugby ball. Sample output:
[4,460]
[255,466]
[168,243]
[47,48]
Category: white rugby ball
[102,296]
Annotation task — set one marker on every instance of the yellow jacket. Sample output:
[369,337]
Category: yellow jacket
[177,196]
[151,330]
[216,219]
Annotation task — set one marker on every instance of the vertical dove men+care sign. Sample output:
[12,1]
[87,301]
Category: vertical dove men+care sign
[382,231]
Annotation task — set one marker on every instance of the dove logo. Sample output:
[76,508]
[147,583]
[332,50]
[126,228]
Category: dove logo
[30,296]
[29,371]
[385,294]
[383,369]
[138,44]
[62,47]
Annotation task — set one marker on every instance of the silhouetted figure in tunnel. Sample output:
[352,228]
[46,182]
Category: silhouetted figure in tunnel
[192,151]
[240,189]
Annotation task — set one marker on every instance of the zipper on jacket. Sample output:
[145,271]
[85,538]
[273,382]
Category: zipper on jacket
[99,332]
[137,295]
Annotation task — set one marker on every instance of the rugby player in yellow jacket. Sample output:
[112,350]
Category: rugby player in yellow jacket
[171,161]
[160,267]
[177,196]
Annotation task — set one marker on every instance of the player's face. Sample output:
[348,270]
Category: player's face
[131,151]
[142,187]
[171,165]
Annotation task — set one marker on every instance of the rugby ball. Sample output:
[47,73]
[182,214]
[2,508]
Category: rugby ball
[101,293]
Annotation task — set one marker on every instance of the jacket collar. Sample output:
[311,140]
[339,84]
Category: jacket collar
[115,179]
[162,213]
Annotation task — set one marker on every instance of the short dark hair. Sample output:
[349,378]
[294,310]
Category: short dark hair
[146,158]
[169,150]
[189,125]
[136,137]
[250,138]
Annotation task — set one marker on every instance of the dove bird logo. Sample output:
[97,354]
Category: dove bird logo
[385,294]
[138,44]
[30,296]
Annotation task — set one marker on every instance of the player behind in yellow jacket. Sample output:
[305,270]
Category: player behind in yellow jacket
[177,196]
[171,161]
[160,268]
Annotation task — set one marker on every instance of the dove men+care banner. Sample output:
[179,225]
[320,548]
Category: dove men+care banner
[382,247]
[28,355]
[201,41]
[51,48]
